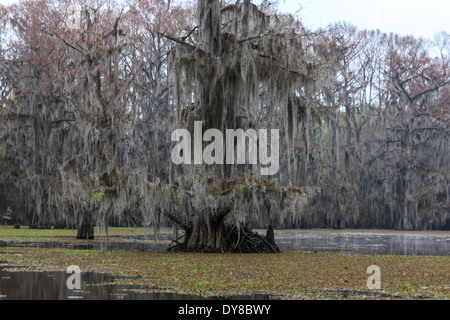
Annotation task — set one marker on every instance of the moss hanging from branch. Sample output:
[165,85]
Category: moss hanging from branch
[239,57]
[212,210]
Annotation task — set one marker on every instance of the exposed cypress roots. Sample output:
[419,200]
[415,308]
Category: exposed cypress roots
[238,239]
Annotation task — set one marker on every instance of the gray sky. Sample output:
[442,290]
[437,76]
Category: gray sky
[416,17]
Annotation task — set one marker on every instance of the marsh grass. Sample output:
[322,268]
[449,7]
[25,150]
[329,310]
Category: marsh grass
[25,231]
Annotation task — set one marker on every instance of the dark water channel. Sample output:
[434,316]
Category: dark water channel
[21,285]
[102,245]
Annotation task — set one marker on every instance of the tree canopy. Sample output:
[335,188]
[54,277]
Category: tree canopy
[87,117]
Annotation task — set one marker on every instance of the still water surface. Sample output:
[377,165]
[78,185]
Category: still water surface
[19,285]
[388,243]
[351,242]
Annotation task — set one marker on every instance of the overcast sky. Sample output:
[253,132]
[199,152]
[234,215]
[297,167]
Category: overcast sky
[416,17]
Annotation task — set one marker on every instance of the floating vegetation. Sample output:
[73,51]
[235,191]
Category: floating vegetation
[289,275]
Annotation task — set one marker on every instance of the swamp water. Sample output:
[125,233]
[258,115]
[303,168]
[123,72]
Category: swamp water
[347,242]
[21,285]
[389,243]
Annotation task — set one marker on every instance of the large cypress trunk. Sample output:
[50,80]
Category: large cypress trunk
[211,233]
[86,227]
[208,234]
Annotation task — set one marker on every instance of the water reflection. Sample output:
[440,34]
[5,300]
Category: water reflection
[364,243]
[95,286]
[101,245]
[297,240]
[50,286]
